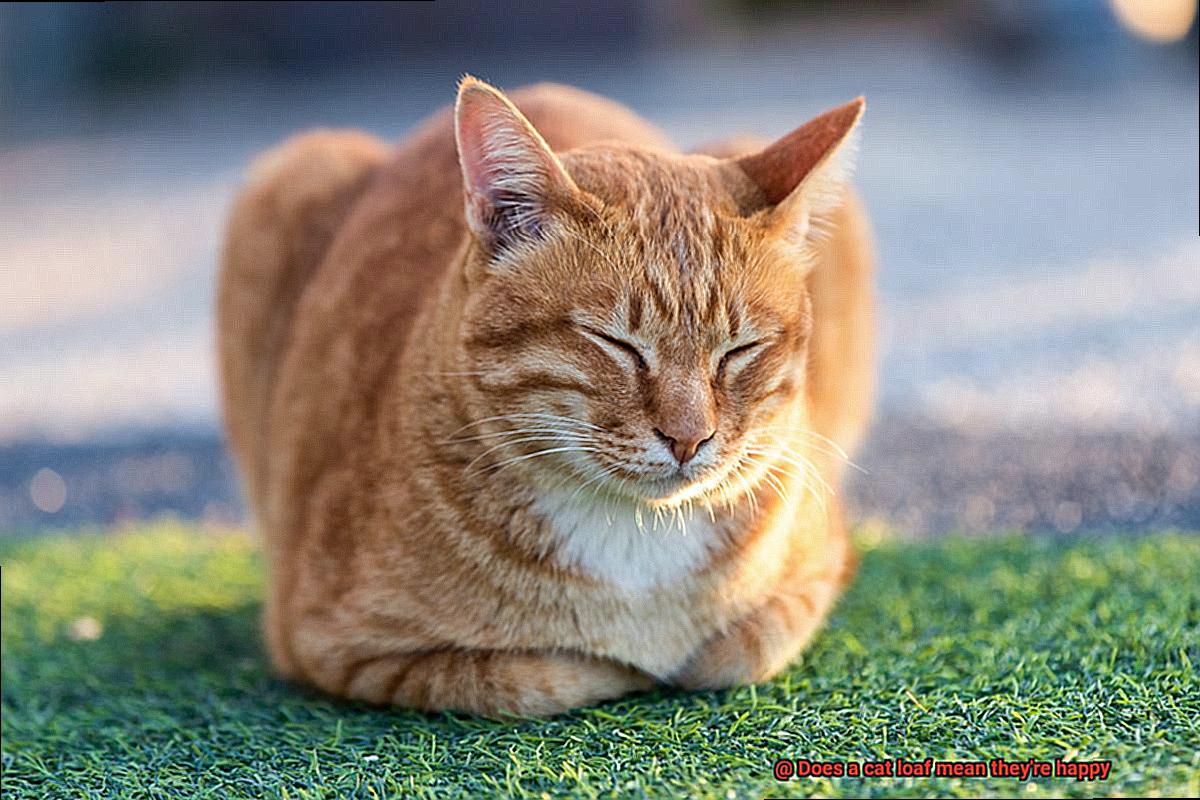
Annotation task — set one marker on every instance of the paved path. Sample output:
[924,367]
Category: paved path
[1040,265]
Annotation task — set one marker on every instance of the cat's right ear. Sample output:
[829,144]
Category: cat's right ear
[512,180]
[802,176]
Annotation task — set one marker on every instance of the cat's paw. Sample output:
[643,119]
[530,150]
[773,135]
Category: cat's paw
[756,647]
[727,659]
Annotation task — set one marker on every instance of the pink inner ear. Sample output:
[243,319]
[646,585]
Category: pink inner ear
[471,144]
[780,168]
[511,177]
[499,150]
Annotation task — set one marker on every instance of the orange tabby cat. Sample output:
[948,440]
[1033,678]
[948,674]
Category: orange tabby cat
[534,411]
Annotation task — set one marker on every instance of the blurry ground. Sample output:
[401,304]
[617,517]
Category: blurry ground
[1040,270]
[921,479]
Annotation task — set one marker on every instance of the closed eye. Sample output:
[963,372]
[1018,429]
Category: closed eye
[620,344]
[740,350]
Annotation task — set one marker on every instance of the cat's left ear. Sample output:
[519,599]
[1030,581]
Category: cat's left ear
[803,175]
[512,180]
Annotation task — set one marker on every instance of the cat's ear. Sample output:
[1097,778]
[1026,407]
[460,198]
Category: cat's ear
[512,180]
[803,175]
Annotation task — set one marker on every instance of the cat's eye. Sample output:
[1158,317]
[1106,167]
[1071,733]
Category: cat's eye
[740,350]
[620,344]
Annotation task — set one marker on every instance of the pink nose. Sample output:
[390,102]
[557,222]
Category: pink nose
[685,443]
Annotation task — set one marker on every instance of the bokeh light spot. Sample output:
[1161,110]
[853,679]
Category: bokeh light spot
[48,490]
[1156,20]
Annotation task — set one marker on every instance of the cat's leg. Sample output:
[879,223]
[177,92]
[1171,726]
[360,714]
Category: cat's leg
[760,644]
[489,682]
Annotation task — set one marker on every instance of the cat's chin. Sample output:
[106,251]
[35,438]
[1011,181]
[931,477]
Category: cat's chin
[667,490]
[663,490]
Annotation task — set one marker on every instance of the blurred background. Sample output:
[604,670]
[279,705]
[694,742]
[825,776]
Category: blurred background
[1031,167]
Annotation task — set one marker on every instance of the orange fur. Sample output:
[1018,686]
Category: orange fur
[549,420]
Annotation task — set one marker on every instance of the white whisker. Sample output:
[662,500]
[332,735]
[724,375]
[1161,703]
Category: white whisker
[506,443]
[530,416]
[548,451]
[517,432]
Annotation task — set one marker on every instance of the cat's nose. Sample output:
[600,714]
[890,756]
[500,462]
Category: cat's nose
[685,441]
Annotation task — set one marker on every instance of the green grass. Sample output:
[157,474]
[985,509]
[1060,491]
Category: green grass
[966,649]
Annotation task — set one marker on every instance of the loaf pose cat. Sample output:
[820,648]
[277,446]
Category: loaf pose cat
[534,411]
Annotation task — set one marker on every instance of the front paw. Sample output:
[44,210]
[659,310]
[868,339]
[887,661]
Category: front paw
[727,659]
[758,646]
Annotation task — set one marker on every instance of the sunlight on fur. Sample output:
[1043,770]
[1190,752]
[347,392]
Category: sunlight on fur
[534,411]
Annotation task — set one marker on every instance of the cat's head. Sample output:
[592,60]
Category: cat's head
[637,320]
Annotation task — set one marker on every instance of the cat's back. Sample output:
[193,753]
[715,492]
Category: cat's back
[567,117]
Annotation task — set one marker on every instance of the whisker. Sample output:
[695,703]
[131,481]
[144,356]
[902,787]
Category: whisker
[604,473]
[805,472]
[516,432]
[548,451]
[751,498]
[504,444]
[818,441]
[535,416]
[778,486]
[837,448]
[799,462]
[560,418]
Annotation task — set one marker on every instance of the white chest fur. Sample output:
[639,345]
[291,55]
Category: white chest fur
[612,540]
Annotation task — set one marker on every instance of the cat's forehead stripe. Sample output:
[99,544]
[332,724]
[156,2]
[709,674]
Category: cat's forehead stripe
[634,313]
[734,317]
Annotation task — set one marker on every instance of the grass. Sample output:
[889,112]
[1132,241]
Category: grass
[1008,648]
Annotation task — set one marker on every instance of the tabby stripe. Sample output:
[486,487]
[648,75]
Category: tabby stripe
[658,296]
[735,320]
[354,668]
[513,336]
[397,681]
[635,312]
[535,381]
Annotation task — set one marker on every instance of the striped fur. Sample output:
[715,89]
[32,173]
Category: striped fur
[459,380]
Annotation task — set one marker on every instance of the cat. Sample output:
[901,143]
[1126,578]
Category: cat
[534,411]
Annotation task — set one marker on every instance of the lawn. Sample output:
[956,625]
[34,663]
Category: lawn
[132,668]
